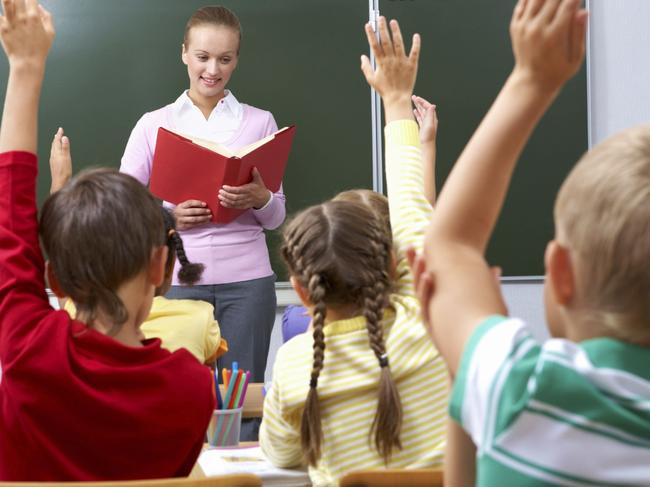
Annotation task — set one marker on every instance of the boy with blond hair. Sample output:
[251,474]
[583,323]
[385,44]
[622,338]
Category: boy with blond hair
[572,410]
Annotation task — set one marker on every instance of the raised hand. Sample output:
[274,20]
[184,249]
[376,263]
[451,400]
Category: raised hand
[26,31]
[395,73]
[60,161]
[548,40]
[427,118]
[251,195]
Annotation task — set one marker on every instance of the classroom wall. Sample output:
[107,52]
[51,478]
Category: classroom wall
[618,66]
[102,76]
[524,298]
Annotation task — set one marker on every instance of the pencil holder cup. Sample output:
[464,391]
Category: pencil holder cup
[224,427]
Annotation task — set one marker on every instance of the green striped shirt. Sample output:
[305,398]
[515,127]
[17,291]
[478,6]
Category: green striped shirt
[347,386]
[558,413]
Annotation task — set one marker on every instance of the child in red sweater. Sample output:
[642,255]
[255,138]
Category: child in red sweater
[84,399]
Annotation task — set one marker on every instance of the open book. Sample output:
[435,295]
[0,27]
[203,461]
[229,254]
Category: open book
[223,461]
[190,168]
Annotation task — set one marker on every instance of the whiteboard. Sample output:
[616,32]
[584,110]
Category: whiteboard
[618,64]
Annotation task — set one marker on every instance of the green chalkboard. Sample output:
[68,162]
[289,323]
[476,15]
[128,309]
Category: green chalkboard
[114,60]
[466,56]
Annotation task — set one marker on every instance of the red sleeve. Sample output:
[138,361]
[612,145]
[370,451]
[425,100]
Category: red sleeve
[23,300]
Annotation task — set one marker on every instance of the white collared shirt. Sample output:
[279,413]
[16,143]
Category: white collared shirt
[221,125]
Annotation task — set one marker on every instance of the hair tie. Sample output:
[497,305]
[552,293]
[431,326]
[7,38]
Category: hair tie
[383,360]
[171,233]
[313,383]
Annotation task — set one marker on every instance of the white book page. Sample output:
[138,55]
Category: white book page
[223,461]
[221,149]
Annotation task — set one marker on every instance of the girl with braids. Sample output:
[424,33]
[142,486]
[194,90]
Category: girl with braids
[365,389]
[186,323]
[179,323]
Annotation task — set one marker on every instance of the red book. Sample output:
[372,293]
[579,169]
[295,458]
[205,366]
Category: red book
[195,169]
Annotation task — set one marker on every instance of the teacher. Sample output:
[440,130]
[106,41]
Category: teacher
[238,280]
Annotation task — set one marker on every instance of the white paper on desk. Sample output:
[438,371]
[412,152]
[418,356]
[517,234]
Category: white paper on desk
[224,461]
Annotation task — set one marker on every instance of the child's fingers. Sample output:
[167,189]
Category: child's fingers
[422,104]
[519,10]
[416,264]
[579,35]
[56,142]
[565,14]
[384,36]
[532,8]
[564,26]
[9,10]
[414,55]
[375,48]
[549,10]
[398,41]
[31,7]
[424,295]
[410,256]
[366,69]
[46,19]
[418,117]
[431,113]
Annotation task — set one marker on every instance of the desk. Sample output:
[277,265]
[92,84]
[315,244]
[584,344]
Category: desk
[251,460]
[197,471]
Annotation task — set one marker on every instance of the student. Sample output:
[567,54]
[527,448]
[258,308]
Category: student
[179,323]
[83,399]
[572,410]
[296,319]
[238,280]
[365,390]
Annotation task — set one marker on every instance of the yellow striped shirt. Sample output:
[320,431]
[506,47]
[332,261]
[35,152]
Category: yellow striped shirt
[347,386]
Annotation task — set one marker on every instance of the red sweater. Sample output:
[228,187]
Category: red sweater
[76,404]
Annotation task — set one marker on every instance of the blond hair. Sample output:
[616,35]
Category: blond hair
[216,15]
[602,214]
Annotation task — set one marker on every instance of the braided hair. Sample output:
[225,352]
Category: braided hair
[340,252]
[189,273]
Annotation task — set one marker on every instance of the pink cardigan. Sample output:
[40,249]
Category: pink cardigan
[231,252]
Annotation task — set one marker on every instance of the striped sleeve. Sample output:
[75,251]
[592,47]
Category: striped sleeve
[279,439]
[499,351]
[410,211]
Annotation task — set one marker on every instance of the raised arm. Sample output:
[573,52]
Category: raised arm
[425,114]
[394,78]
[548,44]
[27,32]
